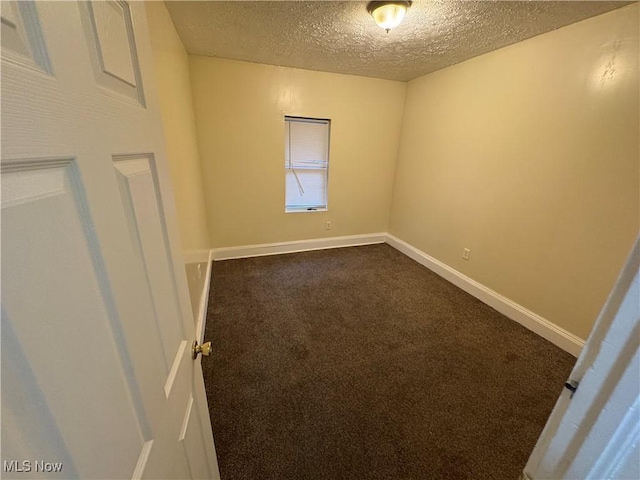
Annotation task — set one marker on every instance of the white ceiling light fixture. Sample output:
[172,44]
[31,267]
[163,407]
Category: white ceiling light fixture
[388,15]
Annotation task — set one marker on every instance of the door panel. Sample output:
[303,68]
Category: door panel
[40,207]
[138,194]
[22,37]
[193,440]
[110,37]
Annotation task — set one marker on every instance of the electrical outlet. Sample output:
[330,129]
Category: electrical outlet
[465,254]
[327,226]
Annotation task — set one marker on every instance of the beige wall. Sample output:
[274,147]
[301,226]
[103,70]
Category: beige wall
[240,110]
[174,90]
[529,156]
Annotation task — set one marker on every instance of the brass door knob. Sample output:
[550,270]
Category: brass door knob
[204,349]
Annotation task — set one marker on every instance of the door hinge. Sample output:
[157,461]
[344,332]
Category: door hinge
[572,386]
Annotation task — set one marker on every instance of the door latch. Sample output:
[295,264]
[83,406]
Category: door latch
[572,386]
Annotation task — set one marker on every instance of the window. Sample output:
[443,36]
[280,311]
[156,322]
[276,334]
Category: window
[306,163]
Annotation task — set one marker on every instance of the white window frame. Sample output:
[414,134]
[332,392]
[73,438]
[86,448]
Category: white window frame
[288,167]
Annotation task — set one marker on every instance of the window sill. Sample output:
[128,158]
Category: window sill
[304,210]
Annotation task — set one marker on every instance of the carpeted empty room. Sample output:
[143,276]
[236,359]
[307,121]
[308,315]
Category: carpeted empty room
[359,363]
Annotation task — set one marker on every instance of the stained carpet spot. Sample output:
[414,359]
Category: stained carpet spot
[359,363]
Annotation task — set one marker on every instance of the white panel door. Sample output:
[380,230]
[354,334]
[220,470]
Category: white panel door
[97,375]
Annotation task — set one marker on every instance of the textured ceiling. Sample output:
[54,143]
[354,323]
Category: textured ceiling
[341,37]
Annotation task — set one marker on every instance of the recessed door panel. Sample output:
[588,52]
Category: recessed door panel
[22,39]
[62,303]
[110,37]
[138,191]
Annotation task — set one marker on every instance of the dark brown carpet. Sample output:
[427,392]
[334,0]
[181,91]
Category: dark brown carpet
[359,363]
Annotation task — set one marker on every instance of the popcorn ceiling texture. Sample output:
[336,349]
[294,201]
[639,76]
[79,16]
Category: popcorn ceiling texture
[342,37]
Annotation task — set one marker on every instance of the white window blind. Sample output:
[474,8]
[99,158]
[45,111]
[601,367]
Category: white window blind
[306,163]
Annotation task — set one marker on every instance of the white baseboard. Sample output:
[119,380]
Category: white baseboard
[556,335]
[228,253]
[196,256]
[204,300]
[541,326]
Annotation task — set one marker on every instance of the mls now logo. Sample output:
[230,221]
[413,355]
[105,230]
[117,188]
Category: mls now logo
[29,466]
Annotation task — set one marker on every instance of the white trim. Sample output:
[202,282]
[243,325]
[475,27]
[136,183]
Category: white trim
[305,210]
[141,466]
[204,301]
[173,373]
[543,327]
[196,256]
[228,253]
[185,420]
